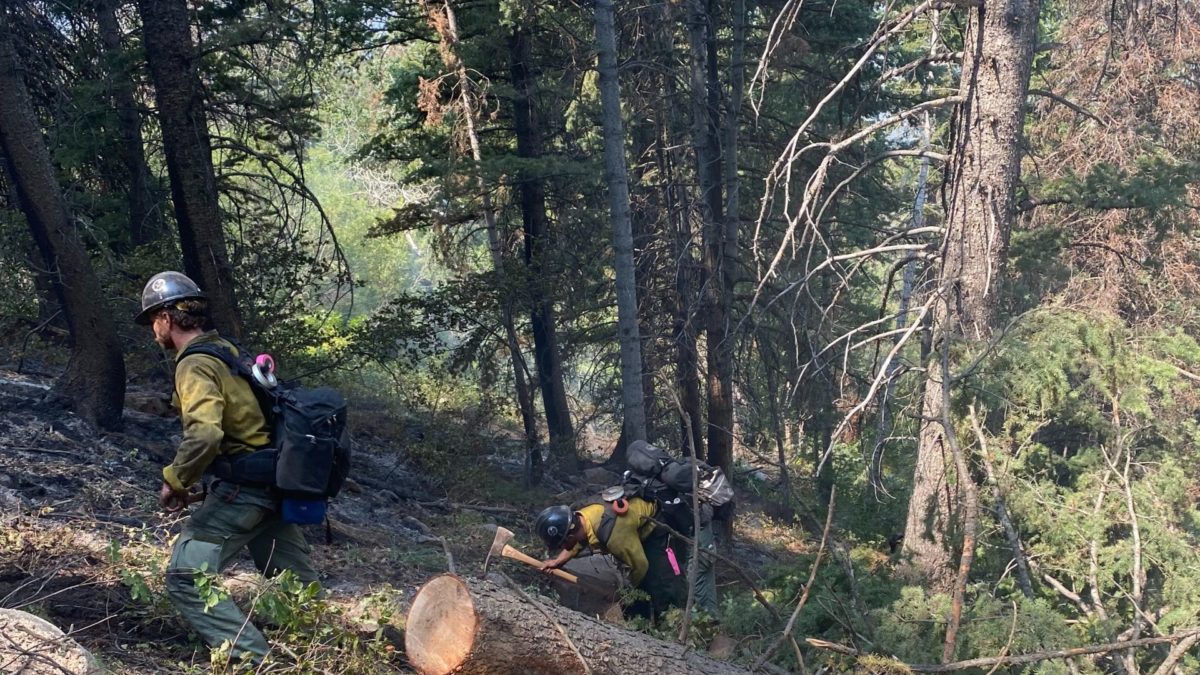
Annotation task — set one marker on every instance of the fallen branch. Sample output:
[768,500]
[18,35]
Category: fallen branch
[431,537]
[441,504]
[97,517]
[43,451]
[812,576]
[1020,660]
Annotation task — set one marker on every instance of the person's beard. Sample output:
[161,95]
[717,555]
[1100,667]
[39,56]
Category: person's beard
[164,341]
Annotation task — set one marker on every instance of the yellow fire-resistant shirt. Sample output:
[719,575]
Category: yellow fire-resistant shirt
[625,542]
[219,412]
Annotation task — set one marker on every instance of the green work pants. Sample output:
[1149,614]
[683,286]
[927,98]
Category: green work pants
[232,517]
[706,576]
[666,589]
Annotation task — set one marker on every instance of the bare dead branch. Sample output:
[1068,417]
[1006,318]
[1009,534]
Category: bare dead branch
[1077,108]
[812,576]
[970,517]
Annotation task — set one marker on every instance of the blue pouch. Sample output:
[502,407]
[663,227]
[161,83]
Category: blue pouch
[303,511]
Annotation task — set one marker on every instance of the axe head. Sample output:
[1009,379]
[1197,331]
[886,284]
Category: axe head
[503,536]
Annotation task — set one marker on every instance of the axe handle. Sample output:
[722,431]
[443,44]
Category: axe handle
[510,552]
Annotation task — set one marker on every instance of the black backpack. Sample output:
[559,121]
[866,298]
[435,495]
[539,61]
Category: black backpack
[654,475]
[309,455]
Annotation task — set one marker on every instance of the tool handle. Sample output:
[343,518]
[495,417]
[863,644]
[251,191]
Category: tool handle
[510,552]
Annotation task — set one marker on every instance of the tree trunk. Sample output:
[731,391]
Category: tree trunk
[145,216]
[981,177]
[184,125]
[771,370]
[617,177]
[474,627]
[449,34]
[533,217]
[706,142]
[686,275]
[94,380]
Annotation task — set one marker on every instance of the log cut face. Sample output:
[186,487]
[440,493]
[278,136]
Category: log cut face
[441,626]
[474,627]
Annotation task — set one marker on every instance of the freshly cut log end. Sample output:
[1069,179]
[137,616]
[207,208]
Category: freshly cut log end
[30,645]
[441,626]
[474,627]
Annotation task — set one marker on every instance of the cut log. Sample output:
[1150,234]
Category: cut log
[30,645]
[475,627]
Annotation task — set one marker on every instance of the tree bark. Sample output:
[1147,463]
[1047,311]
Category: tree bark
[687,273]
[145,215]
[706,143]
[474,627]
[184,125]
[532,194]
[617,176]
[94,381]
[981,178]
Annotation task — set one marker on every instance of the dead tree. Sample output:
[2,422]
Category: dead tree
[982,172]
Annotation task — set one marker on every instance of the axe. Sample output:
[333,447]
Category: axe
[501,547]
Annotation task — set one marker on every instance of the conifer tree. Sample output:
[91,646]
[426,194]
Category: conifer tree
[95,379]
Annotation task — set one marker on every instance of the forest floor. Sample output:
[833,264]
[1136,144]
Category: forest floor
[83,541]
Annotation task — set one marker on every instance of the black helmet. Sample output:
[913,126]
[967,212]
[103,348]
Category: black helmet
[553,524]
[163,289]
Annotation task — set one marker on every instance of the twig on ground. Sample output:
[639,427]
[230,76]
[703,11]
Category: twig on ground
[99,517]
[442,504]
[45,579]
[30,653]
[42,451]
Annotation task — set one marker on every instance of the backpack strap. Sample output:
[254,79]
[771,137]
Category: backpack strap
[607,522]
[235,364]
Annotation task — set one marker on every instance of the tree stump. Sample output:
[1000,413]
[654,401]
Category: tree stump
[30,645]
[474,627]
[596,593]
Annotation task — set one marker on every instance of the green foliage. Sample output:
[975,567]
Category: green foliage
[912,627]
[314,635]
[18,296]
[288,603]
[208,586]
[141,568]
[1158,184]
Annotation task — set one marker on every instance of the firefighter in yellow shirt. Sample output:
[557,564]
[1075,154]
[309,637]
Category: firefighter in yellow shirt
[223,430]
[633,538]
